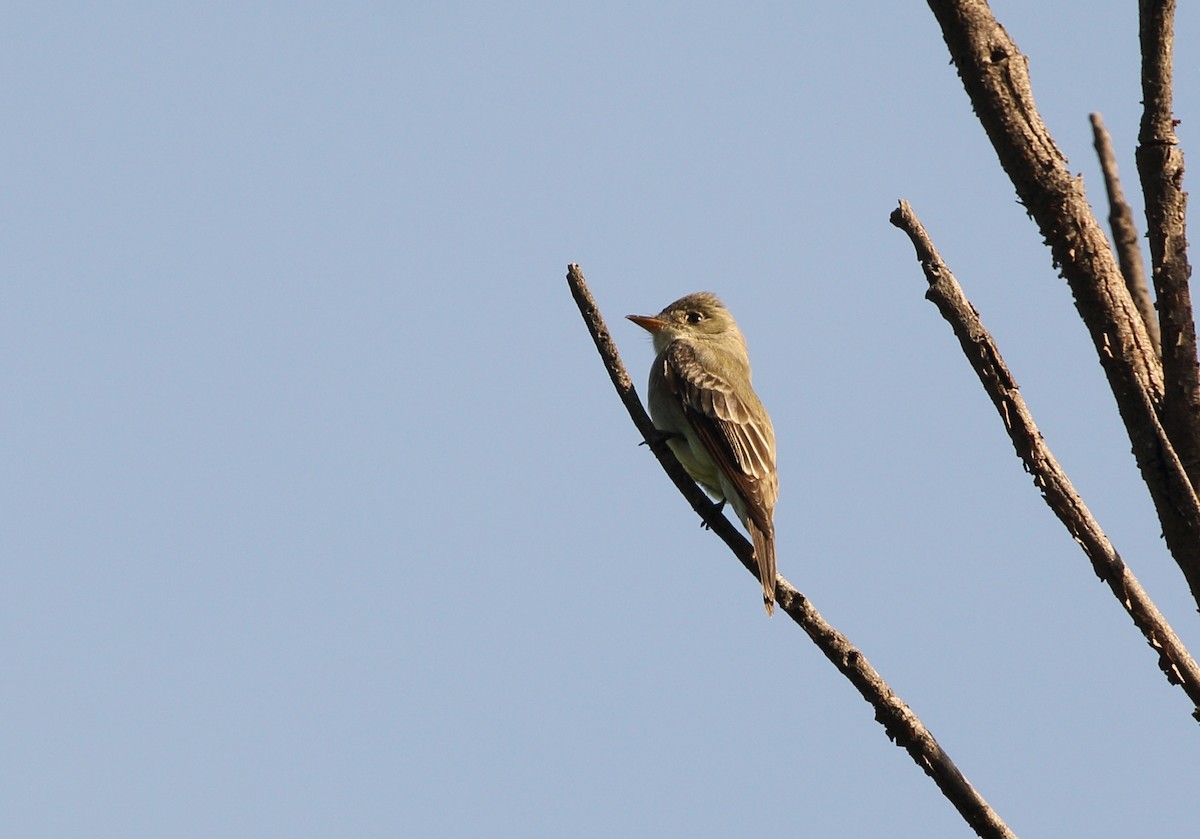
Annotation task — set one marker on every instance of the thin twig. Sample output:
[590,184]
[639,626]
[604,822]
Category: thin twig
[996,77]
[1160,164]
[900,723]
[1057,491]
[1124,231]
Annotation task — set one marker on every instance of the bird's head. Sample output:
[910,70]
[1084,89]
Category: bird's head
[699,317]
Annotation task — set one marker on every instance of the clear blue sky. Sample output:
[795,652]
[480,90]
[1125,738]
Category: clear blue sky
[320,517]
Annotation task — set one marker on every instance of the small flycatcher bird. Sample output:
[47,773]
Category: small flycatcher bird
[700,395]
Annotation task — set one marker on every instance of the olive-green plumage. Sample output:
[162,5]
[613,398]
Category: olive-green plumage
[700,392]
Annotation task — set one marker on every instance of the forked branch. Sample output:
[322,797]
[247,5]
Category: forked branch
[996,77]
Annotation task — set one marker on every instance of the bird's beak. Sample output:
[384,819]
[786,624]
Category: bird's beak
[650,324]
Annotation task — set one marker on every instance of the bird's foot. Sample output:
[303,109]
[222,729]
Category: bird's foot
[720,508]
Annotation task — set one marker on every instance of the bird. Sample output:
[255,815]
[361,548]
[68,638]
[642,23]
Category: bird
[702,400]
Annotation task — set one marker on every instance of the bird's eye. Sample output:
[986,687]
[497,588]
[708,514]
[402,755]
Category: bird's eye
[694,317]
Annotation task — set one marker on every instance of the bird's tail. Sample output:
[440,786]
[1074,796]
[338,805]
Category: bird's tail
[764,553]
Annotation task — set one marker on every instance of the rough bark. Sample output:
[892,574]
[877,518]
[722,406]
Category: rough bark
[1124,231]
[1059,493]
[996,78]
[1160,165]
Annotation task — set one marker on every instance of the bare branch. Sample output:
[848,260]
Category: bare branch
[708,511]
[996,78]
[1124,231]
[1056,488]
[1160,164]
[900,723]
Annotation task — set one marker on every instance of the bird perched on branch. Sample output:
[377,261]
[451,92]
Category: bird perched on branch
[701,398]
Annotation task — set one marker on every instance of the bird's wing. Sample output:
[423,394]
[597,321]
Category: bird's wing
[743,448]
